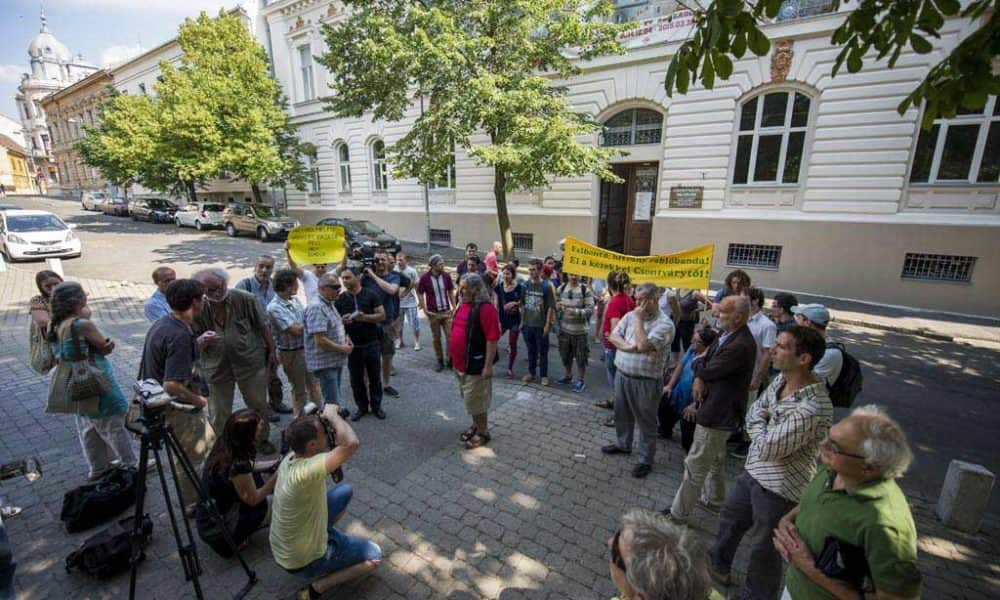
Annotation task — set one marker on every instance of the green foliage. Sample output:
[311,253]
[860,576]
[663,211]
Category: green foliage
[727,28]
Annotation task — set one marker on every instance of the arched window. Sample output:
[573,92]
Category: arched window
[772,136]
[962,149]
[633,126]
[343,166]
[379,169]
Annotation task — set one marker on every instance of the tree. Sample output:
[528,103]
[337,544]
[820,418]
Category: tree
[965,78]
[483,67]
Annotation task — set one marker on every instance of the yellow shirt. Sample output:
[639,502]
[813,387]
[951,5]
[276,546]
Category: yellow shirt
[298,517]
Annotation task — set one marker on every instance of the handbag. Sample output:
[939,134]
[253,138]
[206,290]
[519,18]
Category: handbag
[843,561]
[86,379]
[39,351]
[59,400]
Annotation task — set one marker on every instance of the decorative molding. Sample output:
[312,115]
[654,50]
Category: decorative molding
[781,60]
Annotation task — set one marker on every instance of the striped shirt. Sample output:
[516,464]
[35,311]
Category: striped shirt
[437,289]
[785,434]
[659,331]
[322,317]
[577,308]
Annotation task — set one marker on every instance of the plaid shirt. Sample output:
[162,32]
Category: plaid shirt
[322,317]
[785,434]
[660,331]
[283,314]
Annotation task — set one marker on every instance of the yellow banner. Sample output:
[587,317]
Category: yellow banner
[689,268]
[316,244]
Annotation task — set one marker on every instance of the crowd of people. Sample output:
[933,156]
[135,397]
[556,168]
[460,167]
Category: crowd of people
[735,379]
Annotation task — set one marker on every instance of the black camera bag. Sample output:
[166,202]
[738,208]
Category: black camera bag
[97,502]
[107,553]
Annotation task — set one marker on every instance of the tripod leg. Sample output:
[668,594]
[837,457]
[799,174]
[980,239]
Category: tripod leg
[188,553]
[140,501]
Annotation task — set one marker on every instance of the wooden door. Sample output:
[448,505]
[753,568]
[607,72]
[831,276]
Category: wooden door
[613,211]
[641,207]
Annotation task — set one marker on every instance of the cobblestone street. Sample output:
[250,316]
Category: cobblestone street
[525,517]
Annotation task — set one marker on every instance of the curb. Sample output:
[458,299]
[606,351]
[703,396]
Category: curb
[919,331]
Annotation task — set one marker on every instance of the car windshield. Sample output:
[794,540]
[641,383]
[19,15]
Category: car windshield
[99,196]
[214,207]
[368,227]
[28,223]
[265,212]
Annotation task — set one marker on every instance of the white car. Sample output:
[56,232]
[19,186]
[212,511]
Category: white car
[200,215]
[92,200]
[36,234]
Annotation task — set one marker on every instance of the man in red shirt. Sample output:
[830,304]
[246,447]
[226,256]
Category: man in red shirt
[620,304]
[492,260]
[475,330]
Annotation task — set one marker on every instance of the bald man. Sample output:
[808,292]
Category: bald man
[156,306]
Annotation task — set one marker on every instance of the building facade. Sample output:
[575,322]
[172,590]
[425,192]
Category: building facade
[53,67]
[14,173]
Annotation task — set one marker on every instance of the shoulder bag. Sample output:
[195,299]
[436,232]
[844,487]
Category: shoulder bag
[39,351]
[87,380]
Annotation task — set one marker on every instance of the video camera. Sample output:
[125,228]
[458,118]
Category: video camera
[331,435]
[360,258]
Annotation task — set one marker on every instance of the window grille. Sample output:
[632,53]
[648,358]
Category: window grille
[938,267]
[441,237]
[524,242]
[757,256]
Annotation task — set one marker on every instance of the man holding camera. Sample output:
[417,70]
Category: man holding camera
[361,310]
[387,284]
[303,538]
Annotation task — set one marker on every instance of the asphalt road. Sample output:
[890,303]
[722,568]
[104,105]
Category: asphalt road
[944,394]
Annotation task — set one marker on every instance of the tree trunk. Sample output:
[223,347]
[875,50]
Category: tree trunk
[503,219]
[192,192]
[257,198]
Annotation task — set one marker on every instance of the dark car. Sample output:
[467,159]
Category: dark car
[154,210]
[116,207]
[361,234]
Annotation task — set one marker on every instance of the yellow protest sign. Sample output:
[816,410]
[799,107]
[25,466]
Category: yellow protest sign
[316,244]
[689,268]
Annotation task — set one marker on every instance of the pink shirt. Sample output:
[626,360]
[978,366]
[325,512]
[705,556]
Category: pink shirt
[491,262]
[489,320]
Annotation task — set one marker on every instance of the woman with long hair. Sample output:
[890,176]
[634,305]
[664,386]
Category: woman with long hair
[240,494]
[509,294]
[102,434]
[40,306]
[733,285]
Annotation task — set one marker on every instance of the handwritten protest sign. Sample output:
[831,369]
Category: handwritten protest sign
[316,244]
[689,268]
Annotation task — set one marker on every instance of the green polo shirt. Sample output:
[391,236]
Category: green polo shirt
[873,516]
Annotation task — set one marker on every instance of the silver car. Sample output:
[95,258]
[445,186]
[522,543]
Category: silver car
[92,200]
[200,215]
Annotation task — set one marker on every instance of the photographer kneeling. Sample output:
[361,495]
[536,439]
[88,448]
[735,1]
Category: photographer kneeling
[303,538]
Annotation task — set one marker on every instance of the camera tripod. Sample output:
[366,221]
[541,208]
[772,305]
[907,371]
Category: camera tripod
[156,435]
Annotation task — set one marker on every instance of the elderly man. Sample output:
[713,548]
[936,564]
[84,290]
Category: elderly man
[361,310]
[260,286]
[764,331]
[326,343]
[722,379]
[854,502]
[654,559]
[434,291]
[473,349]
[156,306]
[642,342]
[238,352]
[786,425]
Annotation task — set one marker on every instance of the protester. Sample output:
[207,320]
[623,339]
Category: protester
[260,286]
[361,311]
[734,284]
[781,310]
[40,306]
[408,306]
[287,319]
[621,303]
[156,306]
[816,316]
[309,279]
[854,502]
[550,272]
[722,379]
[434,292]
[492,260]
[688,316]
[240,493]
[575,306]
[102,434]
[473,348]
[601,297]
[677,392]
[239,351]
[303,538]
[653,559]
[539,314]
[325,339]
[510,296]
[670,307]
[387,284]
[169,356]
[786,424]
[764,332]
[471,252]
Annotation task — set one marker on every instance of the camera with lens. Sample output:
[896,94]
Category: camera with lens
[328,430]
[361,257]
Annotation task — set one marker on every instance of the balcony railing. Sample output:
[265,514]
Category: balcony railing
[800,9]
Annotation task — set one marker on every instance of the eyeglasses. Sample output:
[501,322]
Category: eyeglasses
[335,286]
[831,446]
[616,551]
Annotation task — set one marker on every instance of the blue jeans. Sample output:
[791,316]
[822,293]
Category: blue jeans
[342,551]
[363,361]
[537,342]
[329,384]
[609,366]
[7,566]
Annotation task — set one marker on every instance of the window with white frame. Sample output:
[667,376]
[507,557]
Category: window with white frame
[306,72]
[962,149]
[771,138]
[632,127]
[379,169]
[312,171]
[446,180]
[343,166]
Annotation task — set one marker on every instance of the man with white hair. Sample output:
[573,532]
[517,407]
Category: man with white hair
[473,349]
[854,513]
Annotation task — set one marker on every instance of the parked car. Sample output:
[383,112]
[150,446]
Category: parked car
[200,215]
[359,233]
[116,207]
[263,221]
[36,234]
[154,210]
[92,200]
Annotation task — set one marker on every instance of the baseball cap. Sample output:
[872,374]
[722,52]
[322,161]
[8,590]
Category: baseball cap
[435,259]
[816,313]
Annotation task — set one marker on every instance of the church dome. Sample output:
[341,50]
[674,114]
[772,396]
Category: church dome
[45,45]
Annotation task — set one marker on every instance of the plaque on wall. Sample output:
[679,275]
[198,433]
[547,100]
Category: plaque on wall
[686,196]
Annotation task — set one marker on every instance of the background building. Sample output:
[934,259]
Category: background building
[14,174]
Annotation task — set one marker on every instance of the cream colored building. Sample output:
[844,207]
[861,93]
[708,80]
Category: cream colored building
[14,172]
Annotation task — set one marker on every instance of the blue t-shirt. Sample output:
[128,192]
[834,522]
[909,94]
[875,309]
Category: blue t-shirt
[390,302]
[681,396]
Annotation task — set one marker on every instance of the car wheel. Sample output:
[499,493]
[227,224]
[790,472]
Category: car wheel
[197,225]
[262,235]
[230,230]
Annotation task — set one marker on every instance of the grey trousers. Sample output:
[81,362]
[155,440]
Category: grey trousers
[103,441]
[254,392]
[704,472]
[636,403]
[754,511]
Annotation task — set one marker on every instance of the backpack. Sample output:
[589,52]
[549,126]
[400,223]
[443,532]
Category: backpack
[99,501]
[848,384]
[108,552]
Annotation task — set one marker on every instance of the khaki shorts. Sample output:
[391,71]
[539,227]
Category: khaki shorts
[476,391]
[574,347]
[387,341]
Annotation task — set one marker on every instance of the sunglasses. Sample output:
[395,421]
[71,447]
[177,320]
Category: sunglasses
[616,551]
[334,286]
[831,446]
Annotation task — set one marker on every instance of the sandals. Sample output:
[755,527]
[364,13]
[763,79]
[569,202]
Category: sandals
[467,434]
[477,440]
[604,404]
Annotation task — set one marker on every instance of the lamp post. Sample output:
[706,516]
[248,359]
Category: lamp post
[427,201]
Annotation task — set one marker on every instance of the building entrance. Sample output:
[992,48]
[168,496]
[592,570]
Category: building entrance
[625,214]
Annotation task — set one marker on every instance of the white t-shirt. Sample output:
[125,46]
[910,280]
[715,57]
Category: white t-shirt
[310,284]
[764,332]
[410,299]
[665,303]
[828,368]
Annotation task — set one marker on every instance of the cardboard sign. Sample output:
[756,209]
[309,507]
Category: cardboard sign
[316,244]
[689,268]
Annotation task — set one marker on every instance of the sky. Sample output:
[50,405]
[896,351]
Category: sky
[105,31]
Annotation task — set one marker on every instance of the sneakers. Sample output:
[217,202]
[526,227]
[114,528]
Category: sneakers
[564,379]
[416,346]
[614,449]
[578,387]
[545,381]
[510,374]
[610,422]
[528,378]
[641,470]
[390,391]
[439,367]
[399,344]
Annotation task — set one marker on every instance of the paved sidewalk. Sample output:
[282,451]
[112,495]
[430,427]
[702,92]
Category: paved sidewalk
[524,517]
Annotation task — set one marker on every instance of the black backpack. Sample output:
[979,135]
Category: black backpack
[99,501]
[108,552]
[848,384]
